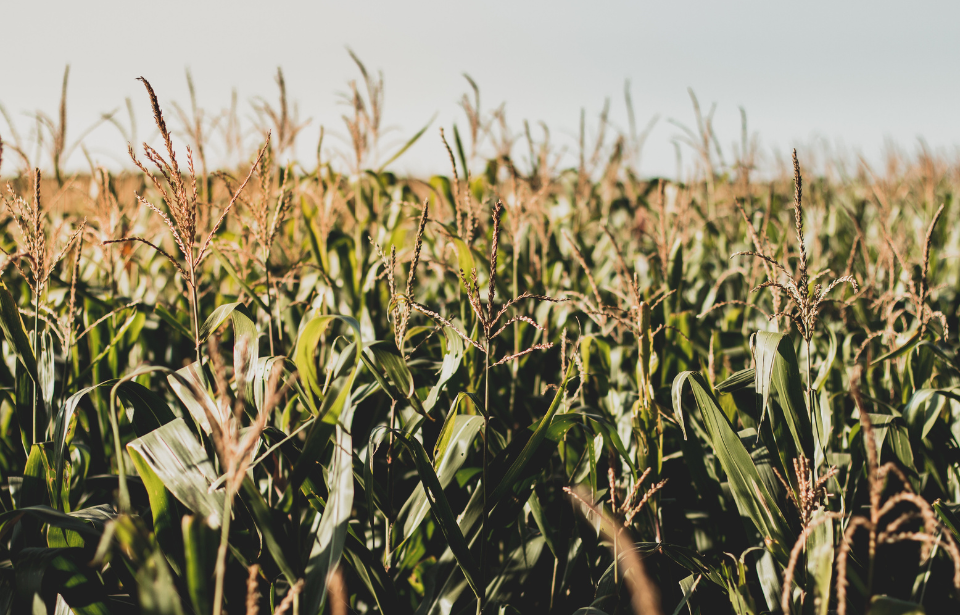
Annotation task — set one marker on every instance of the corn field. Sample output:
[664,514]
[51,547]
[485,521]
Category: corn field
[520,387]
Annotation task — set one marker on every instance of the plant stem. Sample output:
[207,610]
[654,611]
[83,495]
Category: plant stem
[36,356]
[810,408]
[221,567]
[516,330]
[123,499]
[388,559]
[266,270]
[276,307]
[195,309]
[483,520]
[66,365]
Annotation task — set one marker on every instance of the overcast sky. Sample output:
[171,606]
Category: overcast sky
[850,74]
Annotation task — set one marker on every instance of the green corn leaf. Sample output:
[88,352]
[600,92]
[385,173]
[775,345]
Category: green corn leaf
[174,455]
[372,574]
[264,521]
[164,510]
[189,385]
[748,489]
[64,428]
[900,350]
[536,509]
[168,317]
[332,531]
[464,256]
[738,381]
[923,409]
[155,587]
[32,423]
[778,370]
[333,404]
[150,411]
[117,338]
[46,371]
[949,516]
[687,585]
[47,572]
[454,444]
[406,146]
[451,363]
[820,557]
[827,364]
[199,553]
[304,357]
[530,448]
[216,318]
[16,333]
[517,566]
[395,368]
[88,522]
[441,509]
[228,267]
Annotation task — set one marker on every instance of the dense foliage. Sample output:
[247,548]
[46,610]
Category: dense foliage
[520,387]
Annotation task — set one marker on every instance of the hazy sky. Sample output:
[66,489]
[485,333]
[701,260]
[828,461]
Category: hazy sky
[849,73]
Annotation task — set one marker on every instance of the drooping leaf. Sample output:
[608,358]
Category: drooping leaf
[899,351]
[778,370]
[453,446]
[150,410]
[189,384]
[16,333]
[334,402]
[451,363]
[165,511]
[748,489]
[63,431]
[304,357]
[406,146]
[738,381]
[232,272]
[216,318]
[442,511]
[176,457]
[395,368]
[87,522]
[332,532]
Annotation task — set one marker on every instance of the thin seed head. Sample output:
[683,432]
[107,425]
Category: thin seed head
[798,220]
[39,237]
[416,251]
[497,210]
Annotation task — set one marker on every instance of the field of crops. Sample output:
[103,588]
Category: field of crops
[518,387]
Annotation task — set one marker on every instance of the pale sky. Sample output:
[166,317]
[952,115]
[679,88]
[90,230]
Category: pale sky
[851,74]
